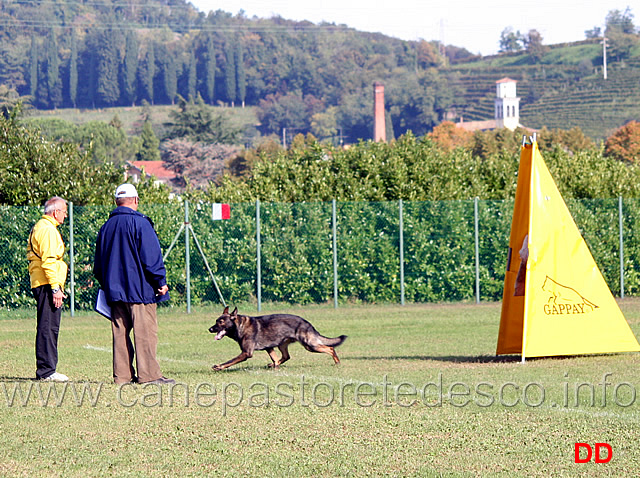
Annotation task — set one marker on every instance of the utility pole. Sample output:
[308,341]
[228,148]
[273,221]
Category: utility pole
[604,57]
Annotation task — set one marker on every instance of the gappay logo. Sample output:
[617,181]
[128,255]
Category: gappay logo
[564,300]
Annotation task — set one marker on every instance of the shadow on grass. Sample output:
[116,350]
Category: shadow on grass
[449,358]
[482,358]
[6,378]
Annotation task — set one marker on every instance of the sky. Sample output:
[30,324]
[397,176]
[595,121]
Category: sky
[472,24]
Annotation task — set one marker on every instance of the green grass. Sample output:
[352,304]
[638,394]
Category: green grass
[131,116]
[310,418]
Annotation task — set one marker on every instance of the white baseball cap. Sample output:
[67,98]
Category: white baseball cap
[126,191]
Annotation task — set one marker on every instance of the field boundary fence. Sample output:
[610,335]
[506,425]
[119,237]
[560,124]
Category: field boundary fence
[325,252]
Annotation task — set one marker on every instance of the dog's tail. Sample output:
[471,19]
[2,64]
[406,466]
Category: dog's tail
[333,342]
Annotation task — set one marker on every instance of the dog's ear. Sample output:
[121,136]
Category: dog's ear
[235,312]
[226,310]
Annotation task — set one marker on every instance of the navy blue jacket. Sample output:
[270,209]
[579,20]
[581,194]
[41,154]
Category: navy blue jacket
[128,261]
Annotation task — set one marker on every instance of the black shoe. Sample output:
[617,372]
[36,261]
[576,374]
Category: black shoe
[163,381]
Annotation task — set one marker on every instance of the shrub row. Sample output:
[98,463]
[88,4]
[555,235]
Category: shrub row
[296,250]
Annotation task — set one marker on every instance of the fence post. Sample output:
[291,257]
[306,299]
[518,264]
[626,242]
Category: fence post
[72,276]
[621,247]
[258,261]
[401,246]
[335,253]
[187,257]
[477,241]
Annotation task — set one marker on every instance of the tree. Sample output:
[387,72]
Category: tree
[210,71]
[33,66]
[572,141]
[624,144]
[620,31]
[108,63]
[354,116]
[324,124]
[196,163]
[595,32]
[617,21]
[192,76]
[107,142]
[195,120]
[147,73]
[241,76]
[291,111]
[32,169]
[448,136]
[149,147]
[418,102]
[169,75]
[73,69]
[54,84]
[10,100]
[427,55]
[230,73]
[510,40]
[533,44]
[129,68]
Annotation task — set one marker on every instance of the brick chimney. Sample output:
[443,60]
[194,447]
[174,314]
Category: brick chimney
[379,131]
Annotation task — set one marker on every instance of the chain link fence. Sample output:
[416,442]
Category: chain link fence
[336,253]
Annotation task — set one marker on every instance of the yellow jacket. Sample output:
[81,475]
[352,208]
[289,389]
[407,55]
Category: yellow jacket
[44,252]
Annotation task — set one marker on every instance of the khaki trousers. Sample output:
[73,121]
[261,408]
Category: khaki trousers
[141,318]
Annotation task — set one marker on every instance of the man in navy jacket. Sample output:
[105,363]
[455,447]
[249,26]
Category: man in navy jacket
[129,267]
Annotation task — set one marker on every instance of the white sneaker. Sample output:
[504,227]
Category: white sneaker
[56,377]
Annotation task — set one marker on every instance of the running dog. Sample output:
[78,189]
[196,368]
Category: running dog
[268,332]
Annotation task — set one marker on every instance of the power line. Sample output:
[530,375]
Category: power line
[176,26]
[130,4]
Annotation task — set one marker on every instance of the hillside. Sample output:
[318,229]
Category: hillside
[565,90]
[298,76]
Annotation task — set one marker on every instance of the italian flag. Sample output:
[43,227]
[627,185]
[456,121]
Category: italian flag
[220,211]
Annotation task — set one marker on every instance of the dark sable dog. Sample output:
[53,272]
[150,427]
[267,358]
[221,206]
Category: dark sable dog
[268,332]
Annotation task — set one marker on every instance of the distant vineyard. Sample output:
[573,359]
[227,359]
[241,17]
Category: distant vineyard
[557,96]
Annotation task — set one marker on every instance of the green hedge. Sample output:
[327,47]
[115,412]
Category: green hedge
[296,242]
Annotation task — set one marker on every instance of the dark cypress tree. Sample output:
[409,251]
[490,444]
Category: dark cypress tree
[73,69]
[54,84]
[149,148]
[210,63]
[170,76]
[108,63]
[241,76]
[146,74]
[33,67]
[192,75]
[230,73]
[129,69]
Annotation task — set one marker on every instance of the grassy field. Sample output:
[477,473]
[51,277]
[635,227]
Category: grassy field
[419,393]
[130,116]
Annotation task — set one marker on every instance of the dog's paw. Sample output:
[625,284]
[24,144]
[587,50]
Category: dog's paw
[217,367]
[273,365]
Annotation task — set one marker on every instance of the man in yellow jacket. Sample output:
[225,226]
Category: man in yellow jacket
[48,273]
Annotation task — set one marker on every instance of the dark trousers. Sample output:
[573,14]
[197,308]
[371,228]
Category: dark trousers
[47,328]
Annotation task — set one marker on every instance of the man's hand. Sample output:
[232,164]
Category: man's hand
[163,290]
[58,297]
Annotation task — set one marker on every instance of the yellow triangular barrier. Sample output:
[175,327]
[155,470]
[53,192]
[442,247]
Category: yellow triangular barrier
[555,300]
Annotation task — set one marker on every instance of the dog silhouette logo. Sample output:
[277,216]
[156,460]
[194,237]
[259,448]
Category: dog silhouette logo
[564,300]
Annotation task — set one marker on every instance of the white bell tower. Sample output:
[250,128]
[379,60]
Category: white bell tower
[507,104]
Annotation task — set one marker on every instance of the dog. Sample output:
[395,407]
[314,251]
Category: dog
[561,294]
[268,332]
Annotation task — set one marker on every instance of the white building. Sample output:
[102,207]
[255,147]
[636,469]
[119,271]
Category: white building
[507,104]
[507,110]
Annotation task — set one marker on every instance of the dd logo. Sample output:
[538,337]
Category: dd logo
[598,457]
